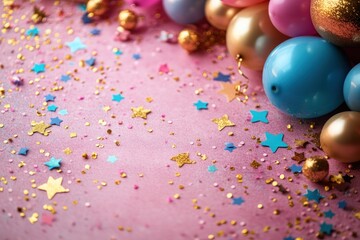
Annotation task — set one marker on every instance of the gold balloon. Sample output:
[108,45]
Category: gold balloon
[315,168]
[340,137]
[338,21]
[189,40]
[218,14]
[97,7]
[252,35]
[128,19]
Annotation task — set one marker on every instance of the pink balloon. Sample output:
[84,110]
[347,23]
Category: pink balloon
[243,3]
[292,17]
[143,3]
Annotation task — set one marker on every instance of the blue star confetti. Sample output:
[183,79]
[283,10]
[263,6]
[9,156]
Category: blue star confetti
[75,45]
[136,56]
[49,98]
[65,78]
[112,159]
[32,32]
[52,108]
[55,121]
[212,168]
[259,116]
[238,201]
[117,97]
[90,62]
[201,105]
[23,151]
[313,195]
[274,141]
[288,238]
[222,77]
[229,146]
[86,19]
[38,68]
[117,52]
[296,168]
[329,214]
[342,204]
[95,31]
[326,228]
[63,112]
[53,163]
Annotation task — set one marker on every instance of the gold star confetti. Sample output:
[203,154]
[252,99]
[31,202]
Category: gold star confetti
[181,159]
[223,122]
[39,127]
[140,112]
[337,179]
[67,151]
[53,186]
[230,90]
[254,164]
[300,143]
[299,157]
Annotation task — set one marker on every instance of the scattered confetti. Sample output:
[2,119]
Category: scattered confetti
[222,77]
[38,68]
[313,195]
[52,187]
[181,159]
[238,201]
[53,163]
[274,141]
[140,112]
[229,146]
[76,45]
[259,116]
[23,151]
[117,97]
[201,105]
[212,168]
[223,122]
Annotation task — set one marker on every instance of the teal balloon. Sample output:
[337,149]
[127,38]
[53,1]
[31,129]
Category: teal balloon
[352,89]
[304,77]
[185,11]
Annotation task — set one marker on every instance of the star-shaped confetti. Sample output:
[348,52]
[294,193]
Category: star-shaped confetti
[53,163]
[313,195]
[90,62]
[95,31]
[201,105]
[259,116]
[164,68]
[182,158]
[295,168]
[229,146]
[326,228]
[23,151]
[65,78]
[117,97]
[112,159]
[32,32]
[298,157]
[223,122]
[49,98]
[329,214]
[38,68]
[63,112]
[39,127]
[47,219]
[136,56]
[274,141]
[300,143]
[140,112]
[222,77]
[117,52]
[238,201]
[52,108]
[75,45]
[289,238]
[56,121]
[229,90]
[52,187]
[342,204]
[338,179]
[212,168]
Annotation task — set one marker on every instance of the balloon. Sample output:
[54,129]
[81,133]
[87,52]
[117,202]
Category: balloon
[337,21]
[241,3]
[252,35]
[352,89]
[304,77]
[188,39]
[340,137]
[97,7]
[218,14]
[292,18]
[315,168]
[128,19]
[184,11]
[143,3]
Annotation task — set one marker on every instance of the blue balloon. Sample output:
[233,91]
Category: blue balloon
[304,77]
[185,11]
[352,89]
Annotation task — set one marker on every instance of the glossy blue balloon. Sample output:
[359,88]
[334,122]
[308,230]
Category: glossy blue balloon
[185,11]
[304,77]
[352,89]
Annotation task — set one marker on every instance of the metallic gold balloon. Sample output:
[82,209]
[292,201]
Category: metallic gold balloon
[252,35]
[218,14]
[97,7]
[315,168]
[340,137]
[338,21]
[128,19]
[189,40]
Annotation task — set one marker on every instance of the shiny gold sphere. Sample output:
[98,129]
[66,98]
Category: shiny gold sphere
[315,168]
[252,35]
[338,21]
[340,137]
[128,19]
[189,40]
[97,7]
[218,14]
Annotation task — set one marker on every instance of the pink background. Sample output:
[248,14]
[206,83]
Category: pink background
[147,210]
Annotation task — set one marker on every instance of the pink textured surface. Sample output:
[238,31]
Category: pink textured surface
[147,210]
